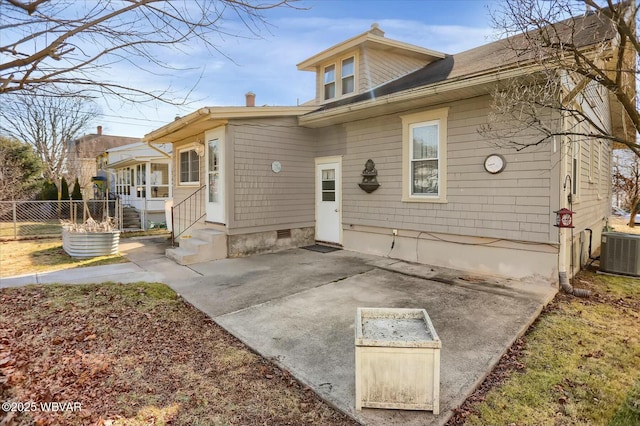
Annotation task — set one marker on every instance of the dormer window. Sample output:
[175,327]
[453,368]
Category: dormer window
[348,75]
[330,82]
[340,78]
[337,69]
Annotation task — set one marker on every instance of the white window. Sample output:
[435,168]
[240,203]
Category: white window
[124,181]
[593,159]
[159,180]
[599,169]
[348,75]
[424,156]
[575,168]
[141,180]
[189,167]
[339,78]
[330,82]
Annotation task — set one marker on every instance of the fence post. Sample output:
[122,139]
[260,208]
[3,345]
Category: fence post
[120,213]
[15,222]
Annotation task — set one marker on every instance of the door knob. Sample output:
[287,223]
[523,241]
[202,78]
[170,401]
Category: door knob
[336,210]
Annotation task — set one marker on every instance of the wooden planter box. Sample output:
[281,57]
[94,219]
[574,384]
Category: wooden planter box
[397,360]
[90,244]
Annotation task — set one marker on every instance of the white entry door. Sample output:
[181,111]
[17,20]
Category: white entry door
[215,179]
[328,203]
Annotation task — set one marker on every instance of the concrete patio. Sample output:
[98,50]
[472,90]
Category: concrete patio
[297,308]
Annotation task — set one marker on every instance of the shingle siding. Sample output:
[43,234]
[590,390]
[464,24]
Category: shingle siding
[377,67]
[374,68]
[515,204]
[589,207]
[264,199]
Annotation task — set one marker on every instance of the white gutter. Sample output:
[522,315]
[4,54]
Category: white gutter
[175,125]
[224,113]
[420,92]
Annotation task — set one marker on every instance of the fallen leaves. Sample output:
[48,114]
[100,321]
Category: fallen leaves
[509,362]
[137,354]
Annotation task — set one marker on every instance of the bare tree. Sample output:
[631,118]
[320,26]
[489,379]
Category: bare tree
[66,48]
[626,181]
[573,63]
[49,124]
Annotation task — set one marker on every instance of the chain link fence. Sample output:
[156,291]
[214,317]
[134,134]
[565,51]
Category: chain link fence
[32,219]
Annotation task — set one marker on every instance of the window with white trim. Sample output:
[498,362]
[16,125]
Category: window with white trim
[590,147]
[159,180]
[124,180]
[424,156]
[347,72]
[330,82]
[141,180]
[599,169]
[189,167]
[339,78]
[575,168]
[592,160]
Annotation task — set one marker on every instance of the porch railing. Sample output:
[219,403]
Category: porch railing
[187,213]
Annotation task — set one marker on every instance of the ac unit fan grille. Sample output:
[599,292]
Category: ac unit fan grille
[620,253]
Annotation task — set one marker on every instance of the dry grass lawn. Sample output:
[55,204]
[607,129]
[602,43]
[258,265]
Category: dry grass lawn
[579,364]
[137,354]
[31,256]
[620,225]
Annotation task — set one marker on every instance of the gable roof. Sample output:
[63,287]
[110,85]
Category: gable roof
[492,58]
[374,38]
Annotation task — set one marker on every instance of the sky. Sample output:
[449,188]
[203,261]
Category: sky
[266,63]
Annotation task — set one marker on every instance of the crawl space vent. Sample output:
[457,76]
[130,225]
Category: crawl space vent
[283,233]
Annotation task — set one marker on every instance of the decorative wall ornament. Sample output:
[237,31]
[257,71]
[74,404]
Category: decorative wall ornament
[369,177]
[200,148]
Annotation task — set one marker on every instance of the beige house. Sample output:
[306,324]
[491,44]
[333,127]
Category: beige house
[82,153]
[434,192]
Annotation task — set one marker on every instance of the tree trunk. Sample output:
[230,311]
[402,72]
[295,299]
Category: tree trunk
[632,214]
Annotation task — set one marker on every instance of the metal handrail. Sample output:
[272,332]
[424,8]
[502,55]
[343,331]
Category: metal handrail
[187,213]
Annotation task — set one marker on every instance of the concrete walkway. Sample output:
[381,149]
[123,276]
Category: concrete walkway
[298,307]
[146,263]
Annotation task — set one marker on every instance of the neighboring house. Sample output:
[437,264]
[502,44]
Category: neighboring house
[627,163]
[139,174]
[277,177]
[82,153]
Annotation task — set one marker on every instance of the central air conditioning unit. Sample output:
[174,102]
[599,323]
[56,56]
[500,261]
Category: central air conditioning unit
[620,253]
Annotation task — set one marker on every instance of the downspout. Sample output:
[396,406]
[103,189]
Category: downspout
[562,262]
[564,280]
[150,145]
